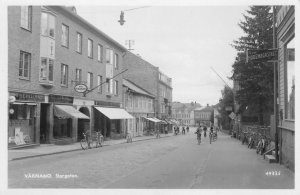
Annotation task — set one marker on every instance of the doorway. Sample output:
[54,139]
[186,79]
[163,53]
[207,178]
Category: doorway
[44,123]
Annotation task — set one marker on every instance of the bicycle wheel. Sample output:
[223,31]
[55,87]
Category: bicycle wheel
[84,144]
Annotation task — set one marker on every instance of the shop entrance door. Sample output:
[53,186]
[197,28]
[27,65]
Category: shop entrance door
[44,123]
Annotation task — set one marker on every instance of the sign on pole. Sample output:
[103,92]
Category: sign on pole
[261,55]
[232,115]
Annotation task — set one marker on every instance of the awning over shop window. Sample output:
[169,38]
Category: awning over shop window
[155,120]
[64,111]
[114,113]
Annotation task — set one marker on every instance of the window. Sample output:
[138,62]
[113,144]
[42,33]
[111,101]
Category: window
[64,35]
[48,25]
[26,13]
[99,83]
[78,75]
[46,70]
[290,78]
[64,75]
[79,43]
[116,61]
[90,80]
[24,65]
[116,86]
[100,53]
[90,48]
[109,56]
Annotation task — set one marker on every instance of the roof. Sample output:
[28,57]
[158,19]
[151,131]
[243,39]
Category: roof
[135,88]
[205,109]
[79,18]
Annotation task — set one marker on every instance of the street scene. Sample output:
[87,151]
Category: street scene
[194,97]
[154,164]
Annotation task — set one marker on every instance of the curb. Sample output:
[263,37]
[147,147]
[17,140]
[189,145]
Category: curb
[77,149]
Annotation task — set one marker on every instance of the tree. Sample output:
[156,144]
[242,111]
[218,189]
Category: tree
[227,100]
[255,79]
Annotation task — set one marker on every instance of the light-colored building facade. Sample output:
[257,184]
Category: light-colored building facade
[51,49]
[204,116]
[140,104]
[285,31]
[152,80]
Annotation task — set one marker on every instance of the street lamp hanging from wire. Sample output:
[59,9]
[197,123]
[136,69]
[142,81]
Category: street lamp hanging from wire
[122,21]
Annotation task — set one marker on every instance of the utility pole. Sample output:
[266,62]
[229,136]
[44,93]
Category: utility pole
[275,87]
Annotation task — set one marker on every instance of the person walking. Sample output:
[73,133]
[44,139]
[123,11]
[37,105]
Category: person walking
[183,130]
[187,129]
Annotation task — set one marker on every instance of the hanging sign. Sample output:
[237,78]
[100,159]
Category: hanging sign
[80,88]
[261,55]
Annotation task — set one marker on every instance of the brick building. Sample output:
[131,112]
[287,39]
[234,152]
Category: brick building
[152,80]
[285,23]
[51,49]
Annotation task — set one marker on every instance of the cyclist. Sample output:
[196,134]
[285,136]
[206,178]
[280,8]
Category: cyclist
[205,129]
[198,132]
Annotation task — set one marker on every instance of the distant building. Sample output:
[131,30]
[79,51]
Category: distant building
[184,113]
[140,104]
[204,116]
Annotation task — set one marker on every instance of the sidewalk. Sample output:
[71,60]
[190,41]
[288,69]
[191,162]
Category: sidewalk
[50,149]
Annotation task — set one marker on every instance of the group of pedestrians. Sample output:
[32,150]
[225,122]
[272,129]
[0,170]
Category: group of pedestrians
[183,130]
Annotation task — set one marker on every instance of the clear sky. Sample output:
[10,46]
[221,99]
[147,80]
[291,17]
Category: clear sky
[183,41]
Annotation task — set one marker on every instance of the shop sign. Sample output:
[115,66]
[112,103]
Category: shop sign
[103,103]
[80,88]
[261,55]
[28,97]
[11,99]
[60,99]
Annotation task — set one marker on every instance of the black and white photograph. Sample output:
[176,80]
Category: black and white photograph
[149,97]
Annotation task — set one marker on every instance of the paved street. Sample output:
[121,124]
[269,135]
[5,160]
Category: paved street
[172,162]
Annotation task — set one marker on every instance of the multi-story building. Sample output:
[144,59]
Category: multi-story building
[152,80]
[51,49]
[140,104]
[184,113]
[204,116]
[285,23]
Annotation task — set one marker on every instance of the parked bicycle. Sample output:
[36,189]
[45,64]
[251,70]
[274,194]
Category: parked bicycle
[89,141]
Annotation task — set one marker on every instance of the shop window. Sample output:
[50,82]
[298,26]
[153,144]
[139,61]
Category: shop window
[290,75]
[26,15]
[47,25]
[24,65]
[22,112]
